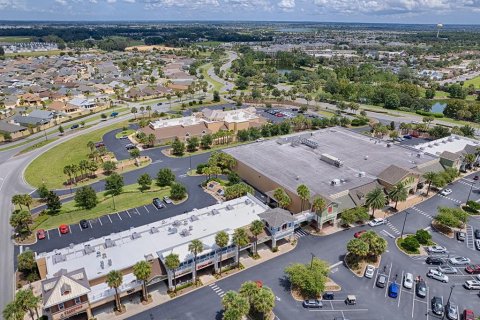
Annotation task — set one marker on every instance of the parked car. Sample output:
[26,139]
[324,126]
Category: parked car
[381,281]
[437,275]
[451,310]
[472,285]
[475,178]
[447,269]
[437,305]
[312,303]
[64,229]
[445,192]
[130,146]
[393,290]
[167,200]
[83,224]
[477,233]
[124,137]
[459,261]
[436,249]
[358,234]
[114,114]
[158,204]
[369,271]
[477,244]
[434,261]
[376,222]
[461,236]
[75,126]
[328,296]
[408,280]
[41,234]
[407,136]
[421,289]
[468,314]
[99,145]
[473,269]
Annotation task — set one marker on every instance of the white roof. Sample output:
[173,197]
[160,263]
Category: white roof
[184,121]
[76,290]
[122,250]
[453,143]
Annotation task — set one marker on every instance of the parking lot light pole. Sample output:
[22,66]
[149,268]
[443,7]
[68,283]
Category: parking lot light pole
[449,296]
[311,261]
[470,192]
[404,221]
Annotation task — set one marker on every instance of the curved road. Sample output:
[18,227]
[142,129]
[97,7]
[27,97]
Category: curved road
[227,85]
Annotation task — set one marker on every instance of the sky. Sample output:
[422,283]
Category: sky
[370,11]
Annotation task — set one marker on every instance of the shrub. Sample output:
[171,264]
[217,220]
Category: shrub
[474,205]
[430,114]
[423,236]
[410,244]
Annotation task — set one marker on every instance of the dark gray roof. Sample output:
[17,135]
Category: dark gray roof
[470,149]
[79,276]
[276,217]
[450,155]
[10,128]
[358,194]
[29,120]
[393,174]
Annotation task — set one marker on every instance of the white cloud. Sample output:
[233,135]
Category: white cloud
[286,5]
[111,1]
[129,1]
[62,2]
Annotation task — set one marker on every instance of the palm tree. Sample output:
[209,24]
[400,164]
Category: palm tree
[83,166]
[91,145]
[74,169]
[470,158]
[375,199]
[134,111]
[195,247]
[27,301]
[318,206]
[142,271]
[172,262]
[114,280]
[12,311]
[304,194]
[240,239]
[221,240]
[429,178]
[256,228]
[282,198]
[17,200]
[27,200]
[264,301]
[149,109]
[398,193]
[67,170]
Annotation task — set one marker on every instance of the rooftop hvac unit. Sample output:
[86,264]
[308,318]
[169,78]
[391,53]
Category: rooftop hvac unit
[109,262]
[109,243]
[229,207]
[71,245]
[172,230]
[362,174]
[419,155]
[88,249]
[153,230]
[389,145]
[331,160]
[335,182]
[135,235]
[193,218]
[102,264]
[248,201]
[310,143]
[215,211]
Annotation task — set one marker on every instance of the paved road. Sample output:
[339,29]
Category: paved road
[227,85]
[373,303]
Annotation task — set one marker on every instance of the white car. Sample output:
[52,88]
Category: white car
[369,271]
[446,269]
[408,281]
[472,285]
[376,222]
[459,261]
[445,192]
[437,249]
[477,244]
[437,275]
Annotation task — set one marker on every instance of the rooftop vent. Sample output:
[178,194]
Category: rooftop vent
[365,158]
[135,235]
[335,182]
[184,233]
[419,155]
[229,207]
[153,230]
[109,262]
[71,245]
[362,174]
[102,265]
[172,230]
[193,218]
[109,243]
[215,211]
[88,249]
[389,145]
[177,223]
[248,201]
[58,257]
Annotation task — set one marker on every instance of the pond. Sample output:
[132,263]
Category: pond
[438,107]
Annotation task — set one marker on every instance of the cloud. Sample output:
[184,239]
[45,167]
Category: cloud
[181,3]
[286,4]
[62,2]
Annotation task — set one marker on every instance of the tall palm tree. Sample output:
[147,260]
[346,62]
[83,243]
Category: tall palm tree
[27,301]
[17,200]
[398,193]
[240,239]
[195,247]
[12,311]
[318,206]
[172,262]
[149,109]
[375,199]
[429,178]
[221,240]
[256,228]
[304,194]
[67,170]
[142,271]
[264,301]
[91,145]
[27,200]
[114,280]
[83,166]
[74,169]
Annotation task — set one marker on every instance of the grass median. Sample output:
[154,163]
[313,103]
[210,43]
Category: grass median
[49,166]
[131,197]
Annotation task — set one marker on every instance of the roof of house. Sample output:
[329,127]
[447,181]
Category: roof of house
[178,131]
[42,114]
[358,194]
[450,155]
[393,174]
[276,217]
[64,286]
[29,120]
[10,128]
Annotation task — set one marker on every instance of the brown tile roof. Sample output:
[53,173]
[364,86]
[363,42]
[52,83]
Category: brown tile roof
[177,131]
[393,174]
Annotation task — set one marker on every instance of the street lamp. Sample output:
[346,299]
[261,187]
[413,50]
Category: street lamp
[449,296]
[470,192]
[404,221]
[311,261]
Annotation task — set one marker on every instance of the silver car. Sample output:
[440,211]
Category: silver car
[447,269]
[452,310]
[459,261]
[437,275]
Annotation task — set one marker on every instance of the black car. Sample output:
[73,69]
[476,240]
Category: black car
[434,261]
[84,224]
[461,236]
[130,146]
[312,303]
[158,203]
[477,233]
[328,296]
[437,305]
[381,281]
[75,126]
[421,289]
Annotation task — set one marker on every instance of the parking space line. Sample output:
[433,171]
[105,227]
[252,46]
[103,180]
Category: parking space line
[428,299]
[118,214]
[59,234]
[48,235]
[335,310]
[90,223]
[413,302]
[138,212]
[100,220]
[80,227]
[376,277]
[109,218]
[400,293]
[389,274]
[146,209]
[128,213]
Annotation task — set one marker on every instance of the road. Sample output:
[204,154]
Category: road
[227,85]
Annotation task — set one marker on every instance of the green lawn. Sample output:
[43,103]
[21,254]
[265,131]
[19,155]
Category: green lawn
[35,53]
[211,43]
[130,198]
[124,133]
[49,166]
[216,85]
[475,81]
[15,39]
[37,145]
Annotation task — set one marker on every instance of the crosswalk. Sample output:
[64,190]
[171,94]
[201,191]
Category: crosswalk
[451,199]
[423,213]
[469,238]
[468,182]
[392,227]
[299,233]
[217,289]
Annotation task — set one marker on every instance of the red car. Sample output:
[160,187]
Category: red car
[40,234]
[359,233]
[259,283]
[468,314]
[473,269]
[64,229]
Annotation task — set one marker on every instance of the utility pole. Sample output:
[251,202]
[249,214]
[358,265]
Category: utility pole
[404,221]
[449,296]
[470,192]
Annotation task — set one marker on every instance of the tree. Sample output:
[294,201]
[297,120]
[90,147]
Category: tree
[61,130]
[221,240]
[134,111]
[114,280]
[195,247]
[17,200]
[264,301]
[42,191]
[309,279]
[91,145]
[12,310]
[53,202]
[108,167]
[239,239]
[135,153]
[256,228]
[375,199]
[151,138]
[429,178]
[304,194]
[236,306]
[144,181]
[282,198]
[27,301]
[376,244]
[86,198]
[172,262]
[410,244]
[398,193]
[114,186]
[423,236]
[165,177]
[192,144]
[177,191]
[26,261]
[178,147]
[216,96]
[206,141]
[233,178]
[429,93]
[142,271]
[67,170]
[149,110]
[358,248]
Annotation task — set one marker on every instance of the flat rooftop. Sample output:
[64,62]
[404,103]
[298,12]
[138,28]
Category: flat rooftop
[122,250]
[453,143]
[183,121]
[289,162]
